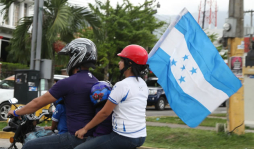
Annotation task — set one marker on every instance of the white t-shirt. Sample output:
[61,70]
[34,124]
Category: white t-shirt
[128,118]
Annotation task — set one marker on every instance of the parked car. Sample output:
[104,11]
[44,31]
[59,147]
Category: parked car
[7,83]
[156,95]
[7,92]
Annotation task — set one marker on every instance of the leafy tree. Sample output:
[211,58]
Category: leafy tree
[121,26]
[213,37]
[60,22]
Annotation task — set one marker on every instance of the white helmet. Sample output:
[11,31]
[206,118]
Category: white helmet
[82,51]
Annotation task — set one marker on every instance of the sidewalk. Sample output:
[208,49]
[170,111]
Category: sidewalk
[6,143]
[185,126]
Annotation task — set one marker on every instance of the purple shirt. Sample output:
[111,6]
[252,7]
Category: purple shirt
[76,90]
[104,127]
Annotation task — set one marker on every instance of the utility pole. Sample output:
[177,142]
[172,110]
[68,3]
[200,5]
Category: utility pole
[233,36]
[35,62]
[39,35]
[203,21]
[34,33]
[251,34]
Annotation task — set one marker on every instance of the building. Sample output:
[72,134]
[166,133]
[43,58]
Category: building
[17,10]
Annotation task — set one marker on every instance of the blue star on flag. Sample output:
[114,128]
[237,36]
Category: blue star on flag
[181,79]
[183,68]
[193,70]
[185,57]
[174,62]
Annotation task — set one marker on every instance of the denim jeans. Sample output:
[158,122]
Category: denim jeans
[111,141]
[61,141]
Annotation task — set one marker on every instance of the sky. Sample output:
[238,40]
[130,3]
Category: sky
[174,7]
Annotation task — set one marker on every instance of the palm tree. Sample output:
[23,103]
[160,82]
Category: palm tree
[213,37]
[60,23]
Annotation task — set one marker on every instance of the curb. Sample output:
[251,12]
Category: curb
[6,135]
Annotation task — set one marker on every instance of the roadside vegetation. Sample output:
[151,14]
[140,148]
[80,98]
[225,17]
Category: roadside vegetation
[219,115]
[209,122]
[184,138]
[4,123]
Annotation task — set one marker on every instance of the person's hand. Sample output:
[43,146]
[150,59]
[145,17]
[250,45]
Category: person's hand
[80,133]
[47,127]
[10,113]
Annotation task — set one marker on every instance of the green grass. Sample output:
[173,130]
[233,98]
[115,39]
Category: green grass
[4,123]
[179,138]
[219,115]
[186,138]
[247,127]
[209,122]
[45,123]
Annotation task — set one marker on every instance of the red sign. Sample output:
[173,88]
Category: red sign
[247,44]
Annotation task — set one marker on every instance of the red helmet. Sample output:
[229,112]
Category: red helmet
[135,53]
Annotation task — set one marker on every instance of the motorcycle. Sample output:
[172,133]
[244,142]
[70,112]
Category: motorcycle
[25,125]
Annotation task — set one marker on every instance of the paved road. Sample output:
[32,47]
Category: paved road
[5,144]
[150,111]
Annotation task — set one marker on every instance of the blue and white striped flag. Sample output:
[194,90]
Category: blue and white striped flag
[193,75]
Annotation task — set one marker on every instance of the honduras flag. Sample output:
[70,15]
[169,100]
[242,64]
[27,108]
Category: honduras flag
[193,75]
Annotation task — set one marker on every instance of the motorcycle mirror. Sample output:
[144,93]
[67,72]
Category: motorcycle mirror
[13,100]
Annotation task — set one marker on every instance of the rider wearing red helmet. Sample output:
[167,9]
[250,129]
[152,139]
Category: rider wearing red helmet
[134,57]
[128,100]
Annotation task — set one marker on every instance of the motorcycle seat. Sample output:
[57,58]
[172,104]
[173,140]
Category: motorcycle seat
[9,129]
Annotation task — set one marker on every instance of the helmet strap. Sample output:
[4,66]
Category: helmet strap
[127,66]
[124,69]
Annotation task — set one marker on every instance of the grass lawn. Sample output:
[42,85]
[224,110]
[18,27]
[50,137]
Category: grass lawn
[4,123]
[219,115]
[209,122]
[181,138]
[185,138]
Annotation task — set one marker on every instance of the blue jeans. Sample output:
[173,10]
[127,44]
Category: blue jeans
[111,141]
[61,141]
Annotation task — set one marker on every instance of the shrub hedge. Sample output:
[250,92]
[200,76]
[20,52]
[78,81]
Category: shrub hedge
[7,69]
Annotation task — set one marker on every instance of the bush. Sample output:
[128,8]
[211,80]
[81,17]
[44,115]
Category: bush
[7,69]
